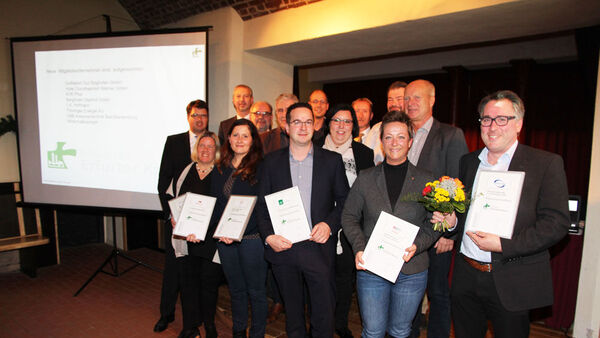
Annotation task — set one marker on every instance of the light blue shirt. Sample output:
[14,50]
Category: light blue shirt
[301,172]
[419,138]
[468,247]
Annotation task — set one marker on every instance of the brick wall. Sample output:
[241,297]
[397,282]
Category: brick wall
[154,13]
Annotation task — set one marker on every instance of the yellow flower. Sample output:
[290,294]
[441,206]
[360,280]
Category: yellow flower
[460,195]
[441,195]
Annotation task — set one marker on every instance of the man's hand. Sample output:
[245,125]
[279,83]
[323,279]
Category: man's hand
[410,252]
[225,240]
[486,241]
[173,222]
[443,245]
[358,259]
[278,243]
[320,233]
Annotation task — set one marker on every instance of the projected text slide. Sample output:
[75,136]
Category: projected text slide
[102,112]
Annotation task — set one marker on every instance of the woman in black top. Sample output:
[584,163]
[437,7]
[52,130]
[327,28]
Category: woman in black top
[199,275]
[243,262]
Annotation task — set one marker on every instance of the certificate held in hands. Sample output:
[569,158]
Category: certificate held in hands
[495,201]
[192,213]
[235,217]
[384,254]
[287,214]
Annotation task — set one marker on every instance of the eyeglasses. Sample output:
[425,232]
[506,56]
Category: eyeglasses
[346,122]
[318,101]
[298,123]
[501,120]
[202,146]
[199,116]
[262,113]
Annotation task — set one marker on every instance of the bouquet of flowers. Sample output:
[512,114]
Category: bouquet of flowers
[444,195]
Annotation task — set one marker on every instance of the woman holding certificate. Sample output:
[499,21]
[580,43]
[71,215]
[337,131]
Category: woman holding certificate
[199,275]
[342,127]
[243,261]
[385,305]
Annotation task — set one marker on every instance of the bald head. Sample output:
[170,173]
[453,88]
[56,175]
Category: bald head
[419,98]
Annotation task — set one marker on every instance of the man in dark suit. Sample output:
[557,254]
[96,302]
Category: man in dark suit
[277,138]
[320,177]
[176,155]
[437,147]
[500,279]
[242,101]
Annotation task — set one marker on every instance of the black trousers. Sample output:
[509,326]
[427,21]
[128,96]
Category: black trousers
[306,262]
[475,300]
[170,282]
[200,279]
[345,277]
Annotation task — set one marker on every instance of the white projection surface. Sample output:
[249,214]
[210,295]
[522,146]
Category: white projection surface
[94,114]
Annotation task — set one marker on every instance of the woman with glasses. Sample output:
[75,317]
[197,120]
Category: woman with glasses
[199,275]
[342,128]
[243,262]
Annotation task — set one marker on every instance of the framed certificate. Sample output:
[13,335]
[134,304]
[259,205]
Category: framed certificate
[495,202]
[176,204]
[194,217]
[287,215]
[235,217]
[384,254]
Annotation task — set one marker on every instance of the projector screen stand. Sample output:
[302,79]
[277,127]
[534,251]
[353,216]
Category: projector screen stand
[113,260]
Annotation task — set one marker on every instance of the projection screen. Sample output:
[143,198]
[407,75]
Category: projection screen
[93,113]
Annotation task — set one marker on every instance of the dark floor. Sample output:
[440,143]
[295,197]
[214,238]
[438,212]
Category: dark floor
[125,306]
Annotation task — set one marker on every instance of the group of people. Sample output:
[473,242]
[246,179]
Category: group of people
[347,173]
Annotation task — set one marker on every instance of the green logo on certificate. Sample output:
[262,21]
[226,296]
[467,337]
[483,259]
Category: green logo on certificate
[280,202]
[486,206]
[380,247]
[283,221]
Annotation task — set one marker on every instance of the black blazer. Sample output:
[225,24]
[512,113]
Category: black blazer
[443,148]
[329,190]
[224,128]
[363,156]
[175,157]
[521,271]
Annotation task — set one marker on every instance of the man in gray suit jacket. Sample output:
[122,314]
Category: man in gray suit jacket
[500,279]
[437,147]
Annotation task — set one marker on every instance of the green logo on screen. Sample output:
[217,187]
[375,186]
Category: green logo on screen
[56,157]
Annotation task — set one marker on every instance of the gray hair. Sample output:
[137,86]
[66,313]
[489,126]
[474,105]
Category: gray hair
[511,96]
[286,96]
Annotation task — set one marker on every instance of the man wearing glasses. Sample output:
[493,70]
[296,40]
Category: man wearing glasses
[323,194]
[319,103]
[176,156]
[499,279]
[261,114]
[436,147]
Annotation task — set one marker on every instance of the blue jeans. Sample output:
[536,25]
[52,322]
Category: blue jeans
[386,306]
[246,271]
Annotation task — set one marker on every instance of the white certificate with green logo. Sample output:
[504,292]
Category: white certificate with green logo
[194,217]
[287,214]
[235,217]
[495,201]
[384,254]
